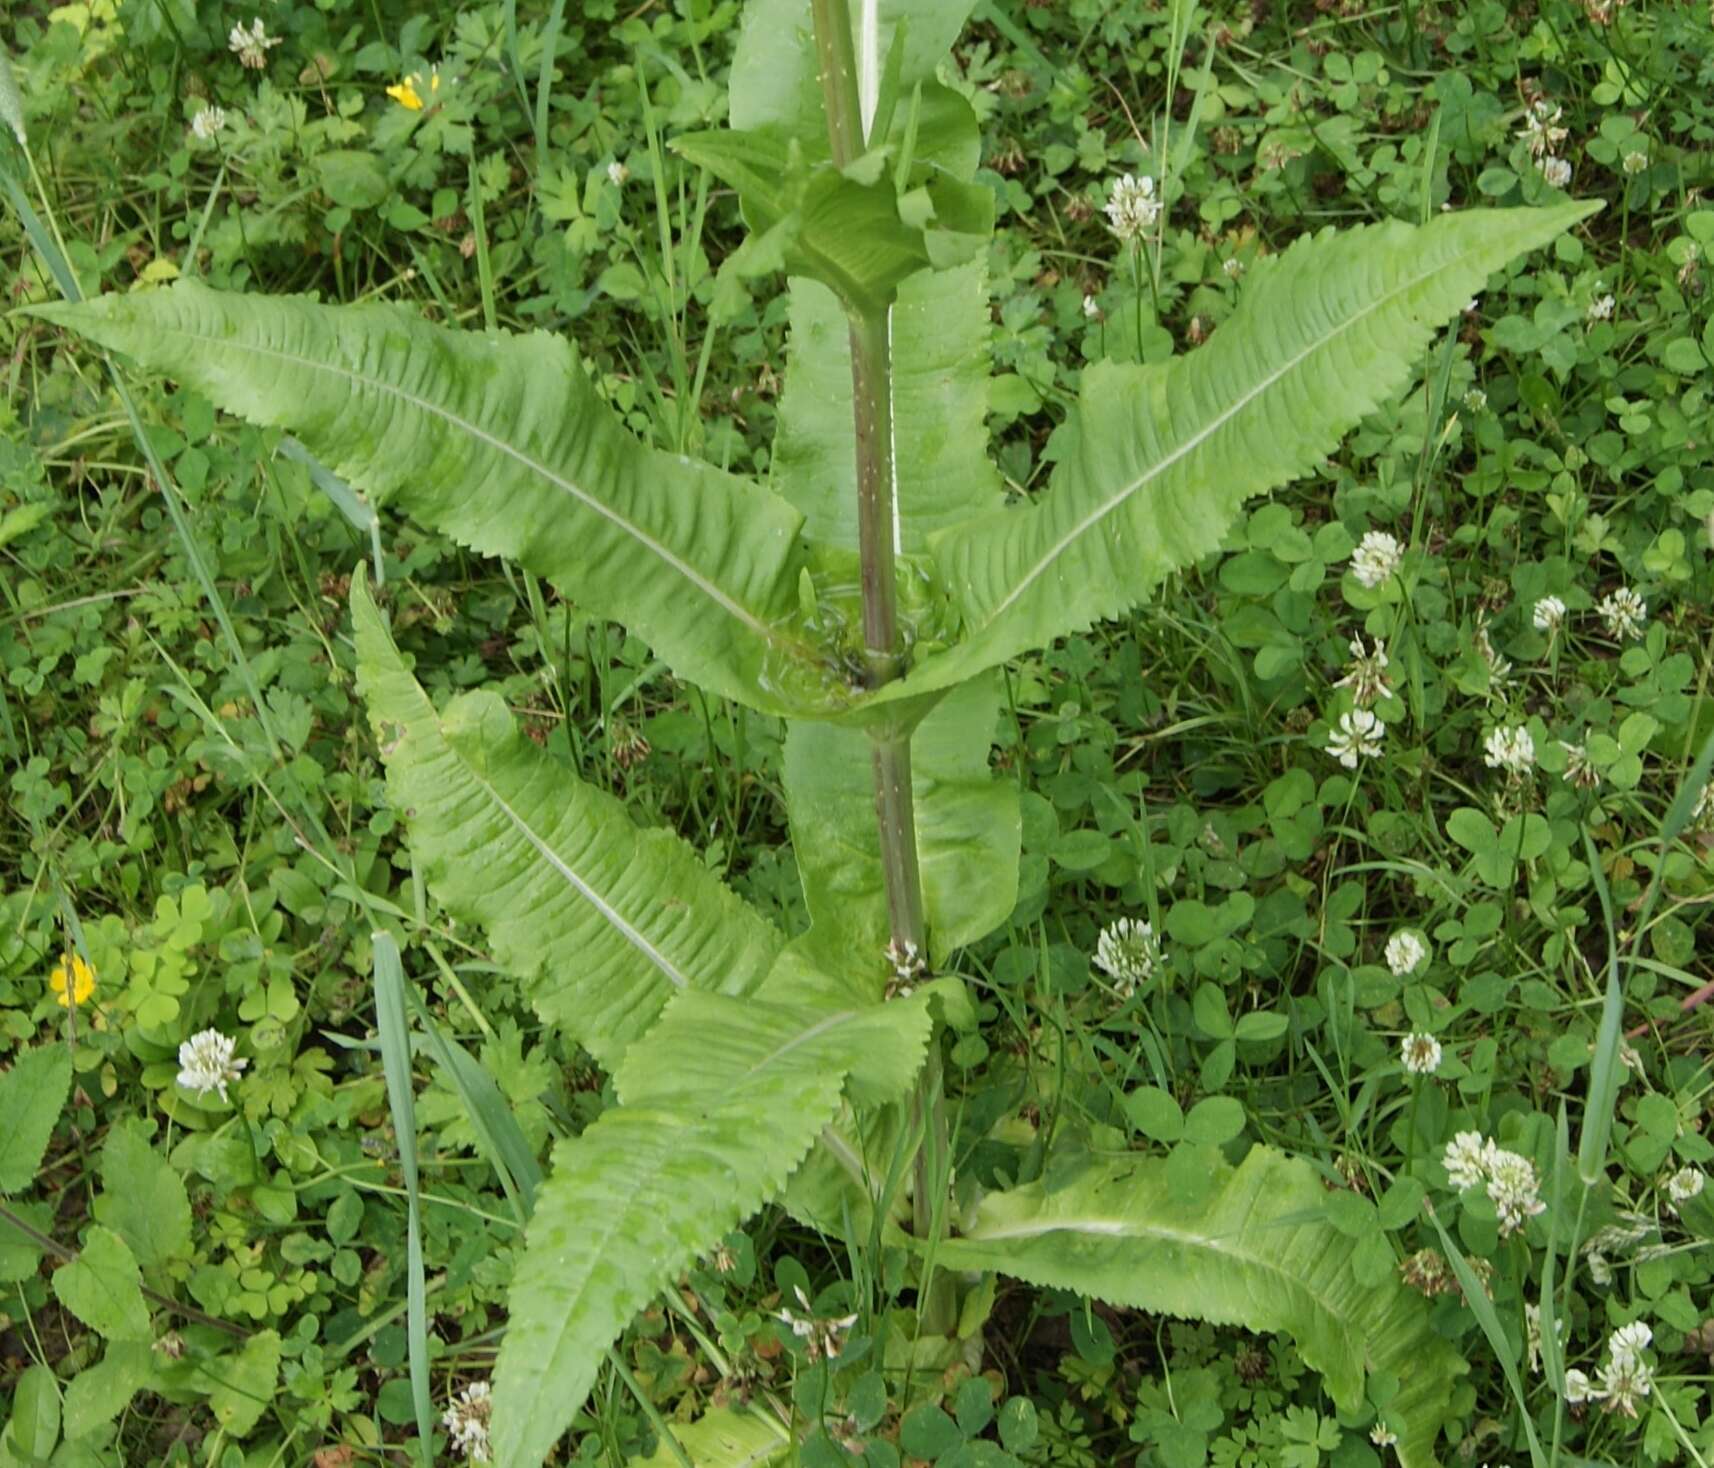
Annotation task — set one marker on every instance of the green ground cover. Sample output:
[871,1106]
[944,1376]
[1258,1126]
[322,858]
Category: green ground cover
[1410,781]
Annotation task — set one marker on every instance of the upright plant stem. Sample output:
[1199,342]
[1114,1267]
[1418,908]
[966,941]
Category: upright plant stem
[895,817]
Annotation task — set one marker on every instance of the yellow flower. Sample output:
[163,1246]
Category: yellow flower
[407,95]
[82,982]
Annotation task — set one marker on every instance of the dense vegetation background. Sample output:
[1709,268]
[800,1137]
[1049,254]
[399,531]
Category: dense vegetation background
[196,834]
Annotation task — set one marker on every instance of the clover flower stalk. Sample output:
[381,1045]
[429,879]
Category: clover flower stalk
[207,1062]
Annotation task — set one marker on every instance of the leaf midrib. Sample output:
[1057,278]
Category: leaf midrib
[733,608]
[1103,510]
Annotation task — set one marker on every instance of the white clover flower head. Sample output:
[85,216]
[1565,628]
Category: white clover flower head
[1509,748]
[1557,172]
[1685,1184]
[1513,1188]
[1623,612]
[1627,1344]
[1233,266]
[1132,207]
[207,1063]
[1091,308]
[1475,399]
[1580,770]
[1377,556]
[1548,615]
[1635,162]
[1405,952]
[1357,736]
[1382,1436]
[1541,129]
[1578,1388]
[251,46]
[618,174]
[1129,952]
[207,122]
[1601,308]
[466,1421]
[1420,1054]
[1367,676]
[1466,1160]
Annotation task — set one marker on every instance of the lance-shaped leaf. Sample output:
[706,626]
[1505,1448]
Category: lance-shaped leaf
[1247,1246]
[939,332]
[722,1438]
[967,826]
[602,921]
[731,1095]
[1164,456]
[500,441]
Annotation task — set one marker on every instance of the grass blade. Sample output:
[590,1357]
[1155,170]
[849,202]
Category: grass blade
[396,1062]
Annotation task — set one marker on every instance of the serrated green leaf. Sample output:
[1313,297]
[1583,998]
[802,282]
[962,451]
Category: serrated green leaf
[736,1092]
[142,1199]
[31,1095]
[104,1289]
[500,441]
[603,921]
[1163,457]
[1252,1249]
[99,1393]
[242,1385]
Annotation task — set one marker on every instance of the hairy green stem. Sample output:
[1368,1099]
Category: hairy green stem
[872,412]
[838,58]
[891,762]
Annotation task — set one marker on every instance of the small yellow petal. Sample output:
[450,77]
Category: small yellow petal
[405,94]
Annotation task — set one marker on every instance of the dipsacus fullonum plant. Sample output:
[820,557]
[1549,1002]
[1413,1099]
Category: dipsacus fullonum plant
[867,594]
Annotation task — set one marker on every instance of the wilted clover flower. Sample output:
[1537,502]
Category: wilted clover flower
[1509,748]
[207,122]
[1420,1054]
[466,1421]
[1377,556]
[1579,768]
[1132,207]
[820,1337]
[1128,951]
[1367,675]
[207,1063]
[1548,615]
[1358,736]
[1541,129]
[1405,952]
[1624,613]
[1685,1184]
[251,46]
